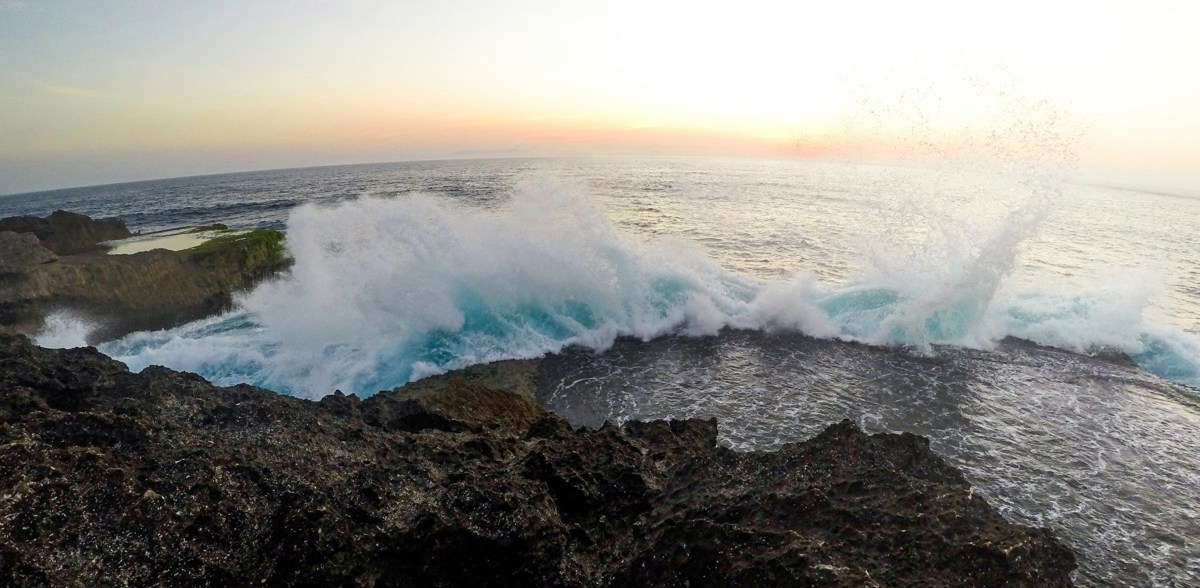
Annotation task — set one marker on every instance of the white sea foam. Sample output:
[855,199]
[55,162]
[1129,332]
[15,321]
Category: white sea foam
[384,291]
[64,330]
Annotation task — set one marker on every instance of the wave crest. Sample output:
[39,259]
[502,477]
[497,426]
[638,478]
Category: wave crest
[386,291]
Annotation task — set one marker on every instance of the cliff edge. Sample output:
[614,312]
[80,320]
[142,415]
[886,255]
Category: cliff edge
[57,263]
[112,478]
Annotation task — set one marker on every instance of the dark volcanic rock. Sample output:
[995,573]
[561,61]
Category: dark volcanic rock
[122,293]
[67,233]
[111,478]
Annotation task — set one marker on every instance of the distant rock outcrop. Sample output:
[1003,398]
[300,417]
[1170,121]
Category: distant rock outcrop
[61,269]
[67,233]
[109,478]
[21,251]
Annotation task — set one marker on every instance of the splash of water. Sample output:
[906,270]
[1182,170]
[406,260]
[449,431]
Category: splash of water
[63,330]
[385,291]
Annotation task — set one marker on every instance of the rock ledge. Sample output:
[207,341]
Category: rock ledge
[109,478]
[58,264]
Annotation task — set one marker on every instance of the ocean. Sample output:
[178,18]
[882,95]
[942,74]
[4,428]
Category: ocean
[995,310]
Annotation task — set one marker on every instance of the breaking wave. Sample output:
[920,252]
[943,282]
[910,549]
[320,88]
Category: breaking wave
[384,291]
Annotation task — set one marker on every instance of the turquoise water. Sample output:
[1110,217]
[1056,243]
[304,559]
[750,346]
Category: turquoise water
[493,259]
[775,295]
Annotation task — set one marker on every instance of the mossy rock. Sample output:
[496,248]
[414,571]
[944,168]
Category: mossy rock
[215,227]
[149,290]
[257,252]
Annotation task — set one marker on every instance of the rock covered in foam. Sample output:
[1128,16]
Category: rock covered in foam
[160,478]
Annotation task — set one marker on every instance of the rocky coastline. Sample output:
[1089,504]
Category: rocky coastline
[159,478]
[111,478]
[58,264]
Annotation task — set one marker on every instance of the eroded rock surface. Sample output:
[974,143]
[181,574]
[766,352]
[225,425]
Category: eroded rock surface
[110,478]
[52,265]
[67,233]
[21,251]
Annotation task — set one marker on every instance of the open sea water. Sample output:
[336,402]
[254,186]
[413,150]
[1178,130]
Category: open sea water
[1044,334]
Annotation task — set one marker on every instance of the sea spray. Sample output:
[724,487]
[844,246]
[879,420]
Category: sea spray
[944,249]
[386,290]
[64,329]
[951,311]
[1100,452]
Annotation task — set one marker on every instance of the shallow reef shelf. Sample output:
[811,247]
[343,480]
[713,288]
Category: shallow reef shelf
[171,239]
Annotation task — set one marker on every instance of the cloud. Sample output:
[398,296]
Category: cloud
[70,91]
[13,6]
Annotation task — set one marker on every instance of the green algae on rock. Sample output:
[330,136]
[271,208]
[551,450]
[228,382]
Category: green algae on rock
[148,290]
[259,250]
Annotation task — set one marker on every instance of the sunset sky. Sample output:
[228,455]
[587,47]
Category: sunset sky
[95,92]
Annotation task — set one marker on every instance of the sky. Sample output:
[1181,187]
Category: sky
[105,91]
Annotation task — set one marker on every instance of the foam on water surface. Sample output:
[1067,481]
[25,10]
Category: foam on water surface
[384,290]
[743,290]
[387,290]
[1106,456]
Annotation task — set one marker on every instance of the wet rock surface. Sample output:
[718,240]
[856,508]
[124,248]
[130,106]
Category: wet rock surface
[56,264]
[111,478]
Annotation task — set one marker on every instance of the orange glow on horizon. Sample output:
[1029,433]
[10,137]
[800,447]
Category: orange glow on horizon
[181,88]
